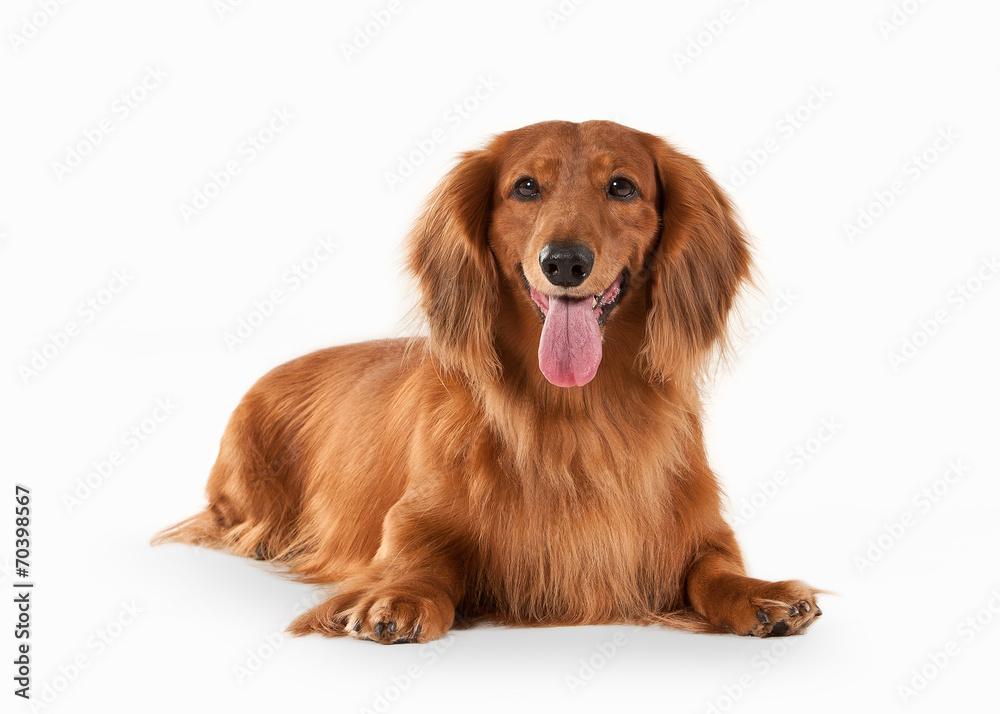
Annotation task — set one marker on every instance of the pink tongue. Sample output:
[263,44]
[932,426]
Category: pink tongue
[570,349]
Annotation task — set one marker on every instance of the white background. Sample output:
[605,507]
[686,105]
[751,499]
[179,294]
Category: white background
[831,312]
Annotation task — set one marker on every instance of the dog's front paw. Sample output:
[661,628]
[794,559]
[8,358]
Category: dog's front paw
[760,608]
[401,618]
[388,618]
[789,614]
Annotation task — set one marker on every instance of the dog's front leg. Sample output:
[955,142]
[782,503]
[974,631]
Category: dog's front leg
[409,591]
[719,590]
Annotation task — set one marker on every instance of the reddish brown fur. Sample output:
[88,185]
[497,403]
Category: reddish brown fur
[443,475]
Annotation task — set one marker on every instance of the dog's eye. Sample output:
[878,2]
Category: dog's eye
[621,188]
[527,188]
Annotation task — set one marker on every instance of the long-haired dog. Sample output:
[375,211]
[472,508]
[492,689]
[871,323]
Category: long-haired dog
[538,458]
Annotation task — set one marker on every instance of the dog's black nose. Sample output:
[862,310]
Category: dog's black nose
[566,264]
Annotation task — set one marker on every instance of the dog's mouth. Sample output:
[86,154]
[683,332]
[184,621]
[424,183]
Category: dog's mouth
[570,349]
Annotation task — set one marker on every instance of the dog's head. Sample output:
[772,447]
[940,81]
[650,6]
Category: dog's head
[578,237]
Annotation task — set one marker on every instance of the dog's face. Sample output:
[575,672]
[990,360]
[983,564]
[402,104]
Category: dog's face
[575,220]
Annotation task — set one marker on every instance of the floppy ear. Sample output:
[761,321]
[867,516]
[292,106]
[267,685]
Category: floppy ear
[455,270]
[698,267]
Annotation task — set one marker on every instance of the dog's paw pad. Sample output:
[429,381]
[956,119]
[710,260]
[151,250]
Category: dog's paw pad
[778,629]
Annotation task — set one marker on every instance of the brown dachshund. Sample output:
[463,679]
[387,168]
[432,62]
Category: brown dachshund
[538,458]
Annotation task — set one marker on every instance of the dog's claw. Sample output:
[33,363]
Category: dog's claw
[378,628]
[793,611]
[416,632]
[357,626]
[392,628]
[762,617]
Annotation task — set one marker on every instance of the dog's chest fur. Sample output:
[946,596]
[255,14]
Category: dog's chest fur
[582,537]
